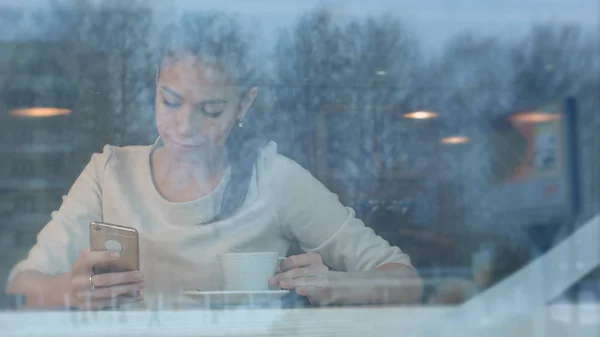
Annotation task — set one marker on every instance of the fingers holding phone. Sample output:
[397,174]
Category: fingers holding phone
[97,291]
[108,274]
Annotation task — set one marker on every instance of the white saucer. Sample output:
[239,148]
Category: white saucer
[237,298]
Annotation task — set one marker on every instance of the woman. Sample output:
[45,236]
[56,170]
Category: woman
[206,187]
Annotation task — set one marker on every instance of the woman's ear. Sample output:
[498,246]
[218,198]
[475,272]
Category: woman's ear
[247,102]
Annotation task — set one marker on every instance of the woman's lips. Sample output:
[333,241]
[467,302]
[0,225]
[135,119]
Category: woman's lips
[184,146]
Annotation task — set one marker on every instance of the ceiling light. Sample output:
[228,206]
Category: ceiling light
[40,112]
[381,72]
[420,115]
[455,140]
[535,117]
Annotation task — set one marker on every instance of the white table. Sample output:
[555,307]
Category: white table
[256,322]
[558,320]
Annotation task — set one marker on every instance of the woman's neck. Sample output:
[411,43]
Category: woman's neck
[180,173]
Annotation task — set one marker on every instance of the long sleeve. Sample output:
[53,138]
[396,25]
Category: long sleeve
[61,240]
[314,216]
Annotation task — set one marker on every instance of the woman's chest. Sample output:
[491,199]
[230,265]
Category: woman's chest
[176,254]
[179,259]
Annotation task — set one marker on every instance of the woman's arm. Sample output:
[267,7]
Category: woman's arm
[43,275]
[73,289]
[41,290]
[391,283]
[375,272]
[411,289]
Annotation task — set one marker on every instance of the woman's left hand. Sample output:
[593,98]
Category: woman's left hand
[307,275]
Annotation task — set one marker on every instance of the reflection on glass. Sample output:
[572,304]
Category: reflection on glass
[401,132]
[455,140]
[535,117]
[40,112]
[421,115]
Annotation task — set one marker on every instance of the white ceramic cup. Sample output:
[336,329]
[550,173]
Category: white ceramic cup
[248,271]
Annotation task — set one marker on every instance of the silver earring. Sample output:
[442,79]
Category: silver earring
[240,122]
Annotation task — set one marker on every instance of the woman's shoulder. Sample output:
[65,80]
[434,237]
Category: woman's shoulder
[279,167]
[270,159]
[120,155]
[129,151]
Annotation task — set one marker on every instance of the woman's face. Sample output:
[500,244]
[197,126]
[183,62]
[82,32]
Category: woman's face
[196,108]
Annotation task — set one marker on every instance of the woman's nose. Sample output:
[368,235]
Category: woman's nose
[185,122]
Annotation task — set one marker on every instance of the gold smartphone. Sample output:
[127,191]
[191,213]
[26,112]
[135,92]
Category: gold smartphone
[104,236]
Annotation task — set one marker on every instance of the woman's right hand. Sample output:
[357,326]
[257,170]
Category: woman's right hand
[108,289]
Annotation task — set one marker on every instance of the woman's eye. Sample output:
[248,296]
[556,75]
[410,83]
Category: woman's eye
[171,104]
[214,109]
